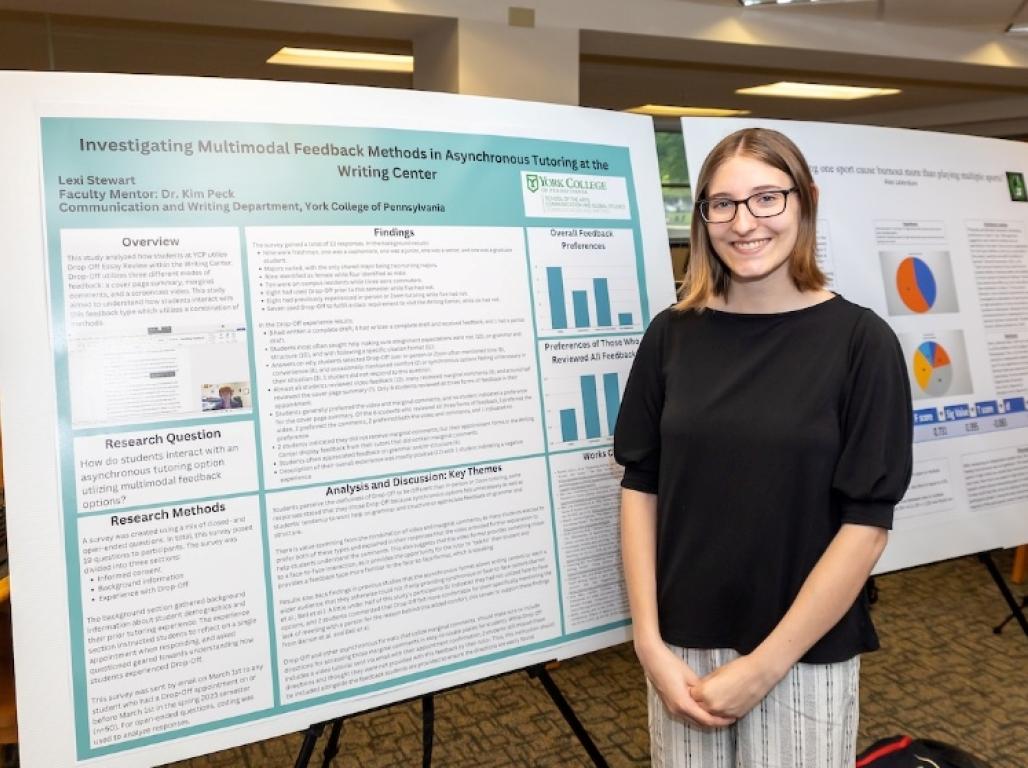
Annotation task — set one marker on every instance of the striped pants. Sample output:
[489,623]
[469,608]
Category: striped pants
[808,720]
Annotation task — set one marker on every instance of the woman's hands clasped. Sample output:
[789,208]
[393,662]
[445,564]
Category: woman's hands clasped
[734,689]
[713,701]
[674,680]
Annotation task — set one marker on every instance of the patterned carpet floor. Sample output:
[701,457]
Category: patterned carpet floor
[942,673]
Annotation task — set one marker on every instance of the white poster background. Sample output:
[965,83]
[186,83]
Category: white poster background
[27,383]
[886,191]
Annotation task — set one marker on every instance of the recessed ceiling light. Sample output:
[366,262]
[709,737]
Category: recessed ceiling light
[313,57]
[664,110]
[789,90]
[748,3]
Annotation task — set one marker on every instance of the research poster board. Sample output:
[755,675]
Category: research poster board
[929,231]
[309,394]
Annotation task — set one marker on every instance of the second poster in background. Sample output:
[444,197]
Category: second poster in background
[929,231]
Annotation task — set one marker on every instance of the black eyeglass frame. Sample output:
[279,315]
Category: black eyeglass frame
[701,205]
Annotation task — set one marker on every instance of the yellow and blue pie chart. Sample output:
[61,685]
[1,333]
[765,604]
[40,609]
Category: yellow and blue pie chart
[933,369]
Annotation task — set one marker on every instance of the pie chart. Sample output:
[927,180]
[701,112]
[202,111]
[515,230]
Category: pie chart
[932,369]
[916,284]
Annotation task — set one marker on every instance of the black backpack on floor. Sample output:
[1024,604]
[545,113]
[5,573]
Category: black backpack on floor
[905,752]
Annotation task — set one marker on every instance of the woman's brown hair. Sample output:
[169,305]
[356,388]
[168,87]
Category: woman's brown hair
[706,274]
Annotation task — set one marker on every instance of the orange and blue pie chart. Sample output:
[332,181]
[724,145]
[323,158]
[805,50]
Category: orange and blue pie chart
[933,369]
[916,284]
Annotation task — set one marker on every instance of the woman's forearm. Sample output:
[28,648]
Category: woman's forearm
[639,556]
[825,597]
[669,674]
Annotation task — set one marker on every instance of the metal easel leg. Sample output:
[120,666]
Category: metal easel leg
[427,729]
[310,739]
[1015,609]
[539,673]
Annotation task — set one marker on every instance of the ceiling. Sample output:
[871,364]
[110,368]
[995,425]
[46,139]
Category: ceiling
[980,15]
[621,71]
[618,69]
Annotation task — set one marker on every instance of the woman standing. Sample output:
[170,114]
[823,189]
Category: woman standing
[765,432]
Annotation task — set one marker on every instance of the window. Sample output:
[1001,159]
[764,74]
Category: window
[674,182]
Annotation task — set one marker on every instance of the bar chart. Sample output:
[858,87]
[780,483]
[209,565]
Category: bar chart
[590,309]
[584,283]
[588,411]
[582,398]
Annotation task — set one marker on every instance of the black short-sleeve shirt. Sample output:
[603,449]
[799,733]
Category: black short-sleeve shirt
[761,434]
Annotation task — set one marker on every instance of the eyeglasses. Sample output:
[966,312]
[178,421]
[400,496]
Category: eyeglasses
[762,205]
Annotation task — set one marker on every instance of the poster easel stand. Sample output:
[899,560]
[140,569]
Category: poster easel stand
[536,672]
[1016,611]
[540,673]
[314,731]
[310,738]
